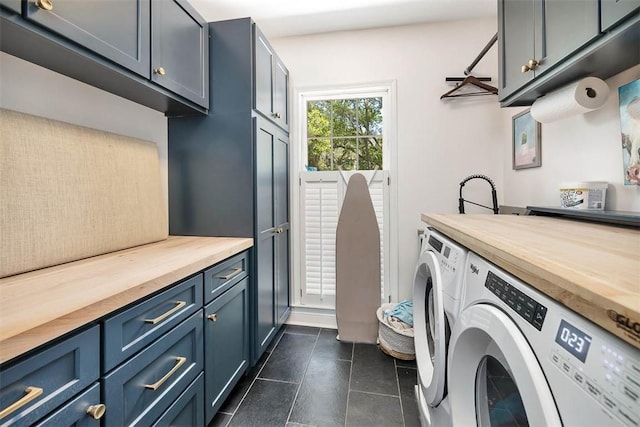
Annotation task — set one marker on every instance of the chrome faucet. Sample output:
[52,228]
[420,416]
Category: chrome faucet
[493,194]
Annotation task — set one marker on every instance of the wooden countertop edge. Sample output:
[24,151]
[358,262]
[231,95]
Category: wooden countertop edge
[51,329]
[578,299]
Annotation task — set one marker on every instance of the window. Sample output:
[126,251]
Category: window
[344,132]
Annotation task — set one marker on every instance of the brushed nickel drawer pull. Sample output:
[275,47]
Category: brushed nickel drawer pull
[179,305]
[181,361]
[234,273]
[96,411]
[213,317]
[32,393]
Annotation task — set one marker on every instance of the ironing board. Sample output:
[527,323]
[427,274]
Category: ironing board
[357,265]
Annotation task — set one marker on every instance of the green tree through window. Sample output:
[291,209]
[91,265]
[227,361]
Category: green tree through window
[345,133]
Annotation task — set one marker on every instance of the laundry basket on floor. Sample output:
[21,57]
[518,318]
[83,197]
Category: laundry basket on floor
[394,342]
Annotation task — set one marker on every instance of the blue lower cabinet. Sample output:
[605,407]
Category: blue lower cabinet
[83,411]
[226,340]
[188,410]
[140,390]
[33,388]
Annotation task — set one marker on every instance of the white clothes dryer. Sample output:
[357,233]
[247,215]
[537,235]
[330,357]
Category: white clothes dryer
[517,357]
[436,300]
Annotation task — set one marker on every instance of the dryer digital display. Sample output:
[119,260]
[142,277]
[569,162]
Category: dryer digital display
[573,340]
[435,244]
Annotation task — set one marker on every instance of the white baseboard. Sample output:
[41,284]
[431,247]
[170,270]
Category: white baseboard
[312,317]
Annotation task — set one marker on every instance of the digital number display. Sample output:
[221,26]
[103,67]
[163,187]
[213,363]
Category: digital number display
[573,340]
[435,243]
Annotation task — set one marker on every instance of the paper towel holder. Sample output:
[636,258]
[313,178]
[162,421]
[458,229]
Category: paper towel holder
[579,97]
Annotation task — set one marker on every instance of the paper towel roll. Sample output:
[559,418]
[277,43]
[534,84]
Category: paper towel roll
[579,97]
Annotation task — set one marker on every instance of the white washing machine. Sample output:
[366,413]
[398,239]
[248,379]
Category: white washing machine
[516,357]
[436,300]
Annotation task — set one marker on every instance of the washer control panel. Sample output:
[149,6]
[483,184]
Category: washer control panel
[528,308]
[609,375]
[448,256]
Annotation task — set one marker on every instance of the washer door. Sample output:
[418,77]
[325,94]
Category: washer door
[430,328]
[494,376]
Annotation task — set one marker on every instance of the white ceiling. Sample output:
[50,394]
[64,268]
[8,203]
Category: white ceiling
[280,18]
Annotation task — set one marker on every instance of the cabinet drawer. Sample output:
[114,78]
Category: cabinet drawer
[43,382]
[76,412]
[188,410]
[140,390]
[221,277]
[130,331]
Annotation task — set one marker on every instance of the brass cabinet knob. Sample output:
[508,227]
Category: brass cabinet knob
[160,70]
[44,4]
[96,411]
[213,317]
[531,65]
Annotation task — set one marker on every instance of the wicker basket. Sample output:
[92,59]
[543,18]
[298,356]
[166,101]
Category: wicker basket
[398,344]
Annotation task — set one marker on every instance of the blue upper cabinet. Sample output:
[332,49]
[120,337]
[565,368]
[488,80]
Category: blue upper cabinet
[116,30]
[545,44]
[271,82]
[152,52]
[180,50]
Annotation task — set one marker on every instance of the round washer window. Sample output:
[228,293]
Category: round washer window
[498,400]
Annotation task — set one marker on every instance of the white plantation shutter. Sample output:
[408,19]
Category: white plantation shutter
[321,210]
[321,199]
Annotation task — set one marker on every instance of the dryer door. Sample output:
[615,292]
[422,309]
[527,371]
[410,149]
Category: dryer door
[430,329]
[494,376]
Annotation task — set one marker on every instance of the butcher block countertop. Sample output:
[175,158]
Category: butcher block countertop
[593,269]
[42,305]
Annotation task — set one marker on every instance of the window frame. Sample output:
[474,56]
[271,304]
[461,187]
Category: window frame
[299,154]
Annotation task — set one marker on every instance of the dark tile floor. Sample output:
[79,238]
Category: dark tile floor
[308,378]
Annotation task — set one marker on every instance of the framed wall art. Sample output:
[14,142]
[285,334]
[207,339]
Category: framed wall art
[525,141]
[629,96]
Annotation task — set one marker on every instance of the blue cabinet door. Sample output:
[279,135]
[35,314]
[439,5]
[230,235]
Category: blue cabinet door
[226,341]
[180,50]
[117,30]
[613,12]
[264,69]
[264,296]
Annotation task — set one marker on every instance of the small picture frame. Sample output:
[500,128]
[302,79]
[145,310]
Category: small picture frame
[525,141]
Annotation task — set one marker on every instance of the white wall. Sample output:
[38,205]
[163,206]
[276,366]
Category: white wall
[35,90]
[439,143]
[580,148]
